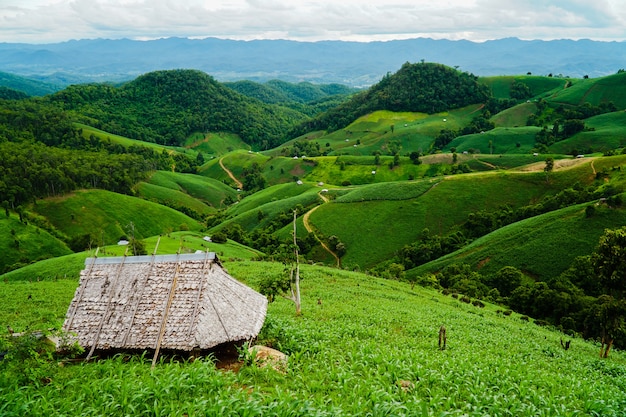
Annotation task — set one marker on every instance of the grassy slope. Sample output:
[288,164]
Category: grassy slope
[216,144]
[607,131]
[69,266]
[504,140]
[106,215]
[542,246]
[595,91]
[34,243]
[197,192]
[347,356]
[501,85]
[373,230]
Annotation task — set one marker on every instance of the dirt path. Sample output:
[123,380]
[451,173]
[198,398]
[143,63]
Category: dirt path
[230,174]
[309,228]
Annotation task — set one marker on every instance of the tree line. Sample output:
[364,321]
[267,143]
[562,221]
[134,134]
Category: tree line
[44,155]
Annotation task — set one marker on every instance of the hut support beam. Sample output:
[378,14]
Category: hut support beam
[165,313]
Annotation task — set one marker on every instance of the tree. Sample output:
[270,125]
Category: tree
[548,167]
[287,285]
[609,265]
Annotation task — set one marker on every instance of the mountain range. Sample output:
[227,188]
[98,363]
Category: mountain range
[356,64]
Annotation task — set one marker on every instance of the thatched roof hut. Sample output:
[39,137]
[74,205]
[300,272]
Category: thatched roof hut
[178,302]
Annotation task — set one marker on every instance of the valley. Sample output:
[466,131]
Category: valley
[429,187]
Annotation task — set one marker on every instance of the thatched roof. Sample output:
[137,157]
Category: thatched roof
[179,302]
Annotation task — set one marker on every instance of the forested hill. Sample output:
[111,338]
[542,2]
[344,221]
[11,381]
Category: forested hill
[421,87]
[167,106]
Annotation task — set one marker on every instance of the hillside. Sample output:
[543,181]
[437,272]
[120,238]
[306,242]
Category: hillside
[26,85]
[105,217]
[423,87]
[151,107]
[367,346]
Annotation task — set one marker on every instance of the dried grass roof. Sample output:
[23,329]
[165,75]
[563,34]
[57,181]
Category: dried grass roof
[179,302]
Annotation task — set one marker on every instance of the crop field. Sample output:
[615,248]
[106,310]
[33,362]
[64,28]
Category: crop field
[209,190]
[26,242]
[501,85]
[503,140]
[535,245]
[215,144]
[76,214]
[515,116]
[271,194]
[367,347]
[124,141]
[376,227]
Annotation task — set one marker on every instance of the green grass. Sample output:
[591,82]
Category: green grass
[595,91]
[543,246]
[504,140]
[62,267]
[204,190]
[187,242]
[348,356]
[24,243]
[539,86]
[606,132]
[216,144]
[515,116]
[269,206]
[106,215]
[87,131]
[374,230]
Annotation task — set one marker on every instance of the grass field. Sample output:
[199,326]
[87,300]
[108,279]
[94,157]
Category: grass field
[369,348]
[107,216]
[24,243]
[543,246]
[502,140]
[377,227]
[595,91]
[215,144]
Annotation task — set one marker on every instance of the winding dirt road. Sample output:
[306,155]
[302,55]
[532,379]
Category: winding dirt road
[309,228]
[238,183]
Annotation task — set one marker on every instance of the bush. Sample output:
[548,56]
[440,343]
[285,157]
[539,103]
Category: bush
[219,237]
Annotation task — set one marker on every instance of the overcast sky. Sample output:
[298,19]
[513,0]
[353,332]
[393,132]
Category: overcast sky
[45,21]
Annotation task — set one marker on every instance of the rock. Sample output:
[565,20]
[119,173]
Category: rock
[266,356]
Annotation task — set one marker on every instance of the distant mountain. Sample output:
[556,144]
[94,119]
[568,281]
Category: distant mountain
[27,86]
[350,63]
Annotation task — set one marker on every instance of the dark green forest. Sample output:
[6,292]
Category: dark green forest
[165,107]
[422,87]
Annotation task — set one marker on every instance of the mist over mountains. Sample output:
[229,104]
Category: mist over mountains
[350,63]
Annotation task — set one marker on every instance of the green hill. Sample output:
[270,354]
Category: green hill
[500,86]
[106,216]
[542,247]
[424,87]
[190,188]
[27,86]
[604,132]
[377,337]
[595,91]
[22,243]
[151,108]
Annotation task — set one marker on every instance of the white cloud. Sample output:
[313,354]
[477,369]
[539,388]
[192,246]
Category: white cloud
[43,21]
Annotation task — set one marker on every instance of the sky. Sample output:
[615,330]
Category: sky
[49,21]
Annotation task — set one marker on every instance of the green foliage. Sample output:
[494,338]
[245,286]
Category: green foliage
[423,87]
[151,108]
